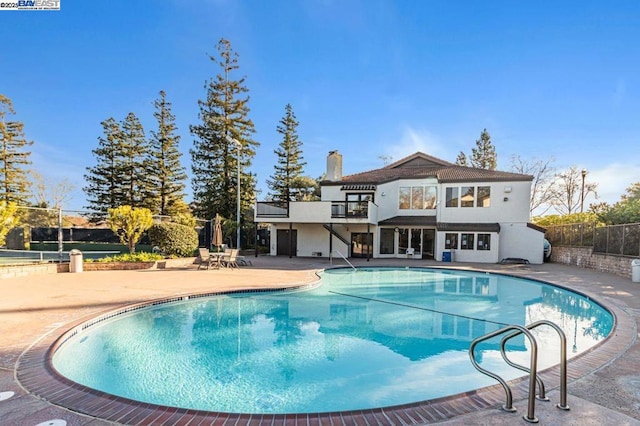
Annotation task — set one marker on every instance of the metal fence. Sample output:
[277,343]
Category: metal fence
[48,229]
[621,240]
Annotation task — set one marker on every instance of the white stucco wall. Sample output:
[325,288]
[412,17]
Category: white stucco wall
[311,238]
[519,241]
[331,193]
[514,209]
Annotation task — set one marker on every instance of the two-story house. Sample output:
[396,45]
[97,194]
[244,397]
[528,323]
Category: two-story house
[419,207]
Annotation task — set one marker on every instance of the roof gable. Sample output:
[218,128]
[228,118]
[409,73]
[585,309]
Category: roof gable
[423,166]
[419,159]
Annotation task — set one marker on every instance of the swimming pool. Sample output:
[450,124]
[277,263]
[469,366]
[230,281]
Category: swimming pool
[380,336]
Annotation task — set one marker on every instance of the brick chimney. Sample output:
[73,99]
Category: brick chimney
[334,166]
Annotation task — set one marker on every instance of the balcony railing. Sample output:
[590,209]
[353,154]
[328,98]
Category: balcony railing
[272,209]
[340,209]
[310,210]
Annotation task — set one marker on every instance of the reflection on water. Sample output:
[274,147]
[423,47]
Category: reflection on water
[381,336]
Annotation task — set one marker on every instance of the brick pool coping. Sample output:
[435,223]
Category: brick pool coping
[35,373]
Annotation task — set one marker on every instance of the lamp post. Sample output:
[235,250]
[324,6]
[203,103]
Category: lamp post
[584,174]
[238,146]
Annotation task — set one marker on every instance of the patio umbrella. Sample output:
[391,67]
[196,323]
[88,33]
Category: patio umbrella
[217,232]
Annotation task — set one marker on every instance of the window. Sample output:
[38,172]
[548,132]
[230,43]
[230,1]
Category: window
[484,196]
[416,239]
[404,198]
[386,241]
[484,241]
[417,197]
[430,197]
[468,196]
[361,244]
[358,204]
[452,197]
[466,241]
[451,241]
[403,240]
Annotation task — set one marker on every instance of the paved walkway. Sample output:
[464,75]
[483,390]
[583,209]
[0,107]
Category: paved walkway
[37,307]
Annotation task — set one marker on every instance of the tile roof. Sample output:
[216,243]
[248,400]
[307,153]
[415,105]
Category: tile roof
[440,226]
[409,221]
[468,227]
[422,166]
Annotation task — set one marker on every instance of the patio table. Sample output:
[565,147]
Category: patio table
[218,258]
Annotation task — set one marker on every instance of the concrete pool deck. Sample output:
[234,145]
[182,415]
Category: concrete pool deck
[604,384]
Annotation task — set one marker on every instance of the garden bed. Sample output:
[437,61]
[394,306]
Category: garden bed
[117,266]
[12,271]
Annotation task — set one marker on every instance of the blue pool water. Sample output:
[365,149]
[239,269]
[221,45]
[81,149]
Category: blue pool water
[372,338]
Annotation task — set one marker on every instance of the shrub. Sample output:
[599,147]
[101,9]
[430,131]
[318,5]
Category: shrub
[8,219]
[131,257]
[185,219]
[174,239]
[129,223]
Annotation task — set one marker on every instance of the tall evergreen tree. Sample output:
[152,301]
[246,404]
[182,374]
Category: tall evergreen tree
[104,180]
[167,175]
[134,152]
[461,159]
[483,156]
[285,180]
[14,179]
[224,119]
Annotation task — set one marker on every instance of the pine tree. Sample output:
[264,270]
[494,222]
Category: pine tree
[104,180]
[483,156]
[224,119]
[461,159]
[134,152]
[164,170]
[284,182]
[14,179]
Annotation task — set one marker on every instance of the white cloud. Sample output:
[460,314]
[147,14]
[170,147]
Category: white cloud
[613,180]
[413,140]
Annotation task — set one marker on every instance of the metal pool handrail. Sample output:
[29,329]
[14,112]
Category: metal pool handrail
[530,416]
[346,260]
[517,330]
[563,361]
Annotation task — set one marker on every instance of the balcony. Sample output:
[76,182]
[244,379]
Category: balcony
[342,209]
[317,211]
[272,209]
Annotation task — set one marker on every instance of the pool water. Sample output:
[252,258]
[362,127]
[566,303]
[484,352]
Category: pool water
[362,339]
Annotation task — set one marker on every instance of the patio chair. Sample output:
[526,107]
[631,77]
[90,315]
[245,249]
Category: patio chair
[243,261]
[231,261]
[410,252]
[204,258]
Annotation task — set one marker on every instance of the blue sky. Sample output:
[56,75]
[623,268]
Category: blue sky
[369,78]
